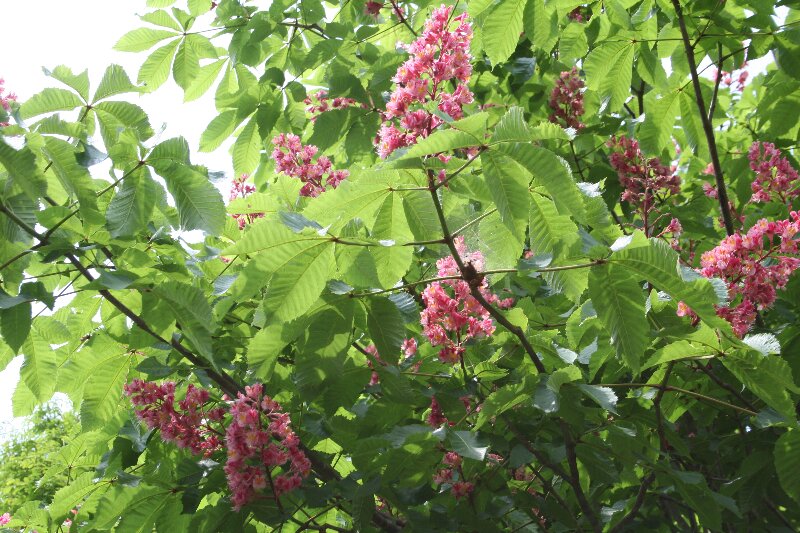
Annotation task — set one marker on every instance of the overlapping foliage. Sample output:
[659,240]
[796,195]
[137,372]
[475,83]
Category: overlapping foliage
[489,316]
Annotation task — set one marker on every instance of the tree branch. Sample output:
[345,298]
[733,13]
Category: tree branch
[722,193]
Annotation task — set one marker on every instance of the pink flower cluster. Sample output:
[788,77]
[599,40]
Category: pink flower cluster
[5,100]
[566,100]
[241,189]
[728,79]
[775,177]
[437,418]
[452,469]
[319,102]
[643,178]
[438,56]
[5,518]
[260,439]
[754,266]
[187,425]
[452,316]
[297,161]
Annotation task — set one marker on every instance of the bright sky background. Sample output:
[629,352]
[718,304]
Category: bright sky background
[81,35]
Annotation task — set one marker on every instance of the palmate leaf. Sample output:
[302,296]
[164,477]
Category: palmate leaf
[508,185]
[187,64]
[768,377]
[501,30]
[115,116]
[619,301]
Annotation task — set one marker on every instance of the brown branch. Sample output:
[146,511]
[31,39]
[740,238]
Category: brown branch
[572,461]
[637,504]
[722,193]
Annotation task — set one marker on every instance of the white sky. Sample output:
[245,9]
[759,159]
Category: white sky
[81,35]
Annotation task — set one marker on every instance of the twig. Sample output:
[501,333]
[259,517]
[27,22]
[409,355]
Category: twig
[572,461]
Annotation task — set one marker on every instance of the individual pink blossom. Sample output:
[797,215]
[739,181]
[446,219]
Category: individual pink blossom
[566,100]
[710,190]
[461,489]
[319,102]
[452,459]
[445,475]
[436,418]
[296,160]
[776,179]
[241,189]
[452,316]
[754,267]
[376,358]
[440,58]
[372,9]
[409,347]
[261,446]
[186,423]
[5,518]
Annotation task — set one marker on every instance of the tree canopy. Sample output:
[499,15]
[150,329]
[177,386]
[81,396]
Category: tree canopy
[489,265]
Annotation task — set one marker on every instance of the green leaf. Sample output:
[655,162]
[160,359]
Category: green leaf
[50,100]
[501,30]
[421,215]
[203,81]
[541,24]
[188,302]
[604,396]
[508,185]
[676,351]
[78,82]
[155,69]
[385,327]
[142,39]
[187,64]
[161,18]
[39,368]
[512,127]
[787,462]
[768,377]
[619,302]
[609,71]
[130,208]
[392,260]
[73,495]
[15,325]
[656,131]
[115,81]
[103,390]
[442,140]
[359,196]
[552,172]
[468,444]
[74,177]
[247,149]
[21,167]
[299,281]
[141,513]
[267,235]
[218,130]
[200,205]
[656,262]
